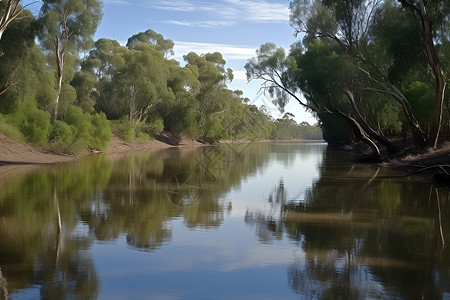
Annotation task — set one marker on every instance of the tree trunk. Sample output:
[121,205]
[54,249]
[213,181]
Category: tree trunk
[359,133]
[60,52]
[418,133]
[58,226]
[372,133]
[438,73]
[11,12]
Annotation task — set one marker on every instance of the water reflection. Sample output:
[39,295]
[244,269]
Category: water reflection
[363,236]
[40,250]
[223,222]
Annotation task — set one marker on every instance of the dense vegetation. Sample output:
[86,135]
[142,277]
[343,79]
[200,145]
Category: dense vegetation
[370,71]
[69,93]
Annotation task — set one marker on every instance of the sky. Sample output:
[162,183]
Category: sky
[235,28]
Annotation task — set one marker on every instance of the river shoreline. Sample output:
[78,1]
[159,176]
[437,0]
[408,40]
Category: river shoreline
[14,153]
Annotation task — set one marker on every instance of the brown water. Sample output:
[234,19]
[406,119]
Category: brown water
[251,221]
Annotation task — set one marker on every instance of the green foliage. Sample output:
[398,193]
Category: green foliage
[32,122]
[9,130]
[85,84]
[75,21]
[399,36]
[142,137]
[287,129]
[61,137]
[66,27]
[68,98]
[125,129]
[275,68]
[141,132]
[421,97]
[335,130]
[153,38]
[23,73]
[154,127]
[89,131]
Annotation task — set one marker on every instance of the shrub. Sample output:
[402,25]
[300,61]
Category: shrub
[100,131]
[61,136]
[89,131]
[142,137]
[10,130]
[154,127]
[32,122]
[141,133]
[125,129]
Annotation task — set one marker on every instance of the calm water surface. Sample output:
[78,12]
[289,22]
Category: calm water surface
[256,221]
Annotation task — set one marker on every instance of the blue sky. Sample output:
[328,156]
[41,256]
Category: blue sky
[235,28]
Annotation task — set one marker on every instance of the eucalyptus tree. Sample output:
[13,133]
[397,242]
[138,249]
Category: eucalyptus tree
[10,10]
[277,70]
[179,113]
[93,80]
[431,13]
[137,85]
[213,97]
[24,75]
[318,79]
[67,27]
[153,38]
[350,25]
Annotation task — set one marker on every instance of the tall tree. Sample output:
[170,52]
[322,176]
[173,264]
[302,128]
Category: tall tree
[23,71]
[153,38]
[141,82]
[421,8]
[350,24]
[93,80]
[67,27]
[11,9]
[277,71]
[213,97]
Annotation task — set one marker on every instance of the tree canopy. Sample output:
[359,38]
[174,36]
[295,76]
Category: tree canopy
[70,93]
[377,66]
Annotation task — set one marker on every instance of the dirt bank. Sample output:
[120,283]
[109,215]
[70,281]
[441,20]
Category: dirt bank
[17,153]
[433,164]
[13,153]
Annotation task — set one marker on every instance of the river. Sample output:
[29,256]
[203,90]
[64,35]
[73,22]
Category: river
[240,221]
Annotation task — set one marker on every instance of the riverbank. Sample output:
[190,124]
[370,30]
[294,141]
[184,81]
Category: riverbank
[17,153]
[426,163]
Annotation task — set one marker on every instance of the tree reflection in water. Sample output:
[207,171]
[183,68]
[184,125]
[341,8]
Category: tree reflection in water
[42,248]
[363,236]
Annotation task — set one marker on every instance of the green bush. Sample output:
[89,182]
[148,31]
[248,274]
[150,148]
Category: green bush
[61,136]
[141,133]
[10,130]
[32,122]
[142,137]
[154,127]
[125,129]
[100,131]
[89,131]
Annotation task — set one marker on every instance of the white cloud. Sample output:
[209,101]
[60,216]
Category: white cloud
[229,52]
[121,2]
[227,12]
[205,24]
[185,6]
[260,11]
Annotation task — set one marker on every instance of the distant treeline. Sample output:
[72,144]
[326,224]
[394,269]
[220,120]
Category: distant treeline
[60,89]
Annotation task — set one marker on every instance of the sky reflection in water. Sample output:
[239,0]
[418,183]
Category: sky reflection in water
[259,221]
